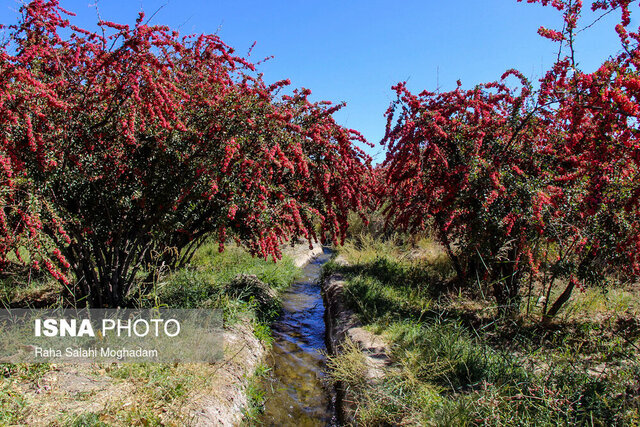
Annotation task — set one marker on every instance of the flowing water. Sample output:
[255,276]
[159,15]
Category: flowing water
[295,393]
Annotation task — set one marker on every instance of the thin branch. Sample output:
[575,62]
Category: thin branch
[597,19]
[155,13]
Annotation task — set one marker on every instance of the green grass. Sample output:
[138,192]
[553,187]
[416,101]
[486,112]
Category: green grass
[256,395]
[12,405]
[159,381]
[210,282]
[87,419]
[203,282]
[36,292]
[453,364]
[24,372]
[594,301]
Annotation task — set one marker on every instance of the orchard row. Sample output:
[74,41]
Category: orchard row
[124,150]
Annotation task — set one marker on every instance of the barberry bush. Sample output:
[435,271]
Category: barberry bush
[130,146]
[527,186]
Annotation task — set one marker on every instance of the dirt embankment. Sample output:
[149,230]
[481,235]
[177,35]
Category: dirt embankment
[342,325]
[225,398]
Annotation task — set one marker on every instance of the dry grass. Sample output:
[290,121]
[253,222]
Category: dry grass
[132,394]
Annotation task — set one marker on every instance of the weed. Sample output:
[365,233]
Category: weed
[12,405]
[86,419]
[256,394]
[262,331]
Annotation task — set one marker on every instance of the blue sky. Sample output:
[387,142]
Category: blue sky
[354,51]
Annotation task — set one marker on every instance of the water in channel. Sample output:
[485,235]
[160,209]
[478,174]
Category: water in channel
[295,392]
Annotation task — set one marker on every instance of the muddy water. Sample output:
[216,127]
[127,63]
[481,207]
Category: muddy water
[295,393]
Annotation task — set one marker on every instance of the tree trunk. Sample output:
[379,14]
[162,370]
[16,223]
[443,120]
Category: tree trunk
[102,276]
[559,302]
[452,256]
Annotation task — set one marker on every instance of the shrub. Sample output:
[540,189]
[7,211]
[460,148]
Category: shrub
[522,184]
[127,148]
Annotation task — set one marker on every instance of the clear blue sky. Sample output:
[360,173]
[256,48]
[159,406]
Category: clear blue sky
[354,51]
